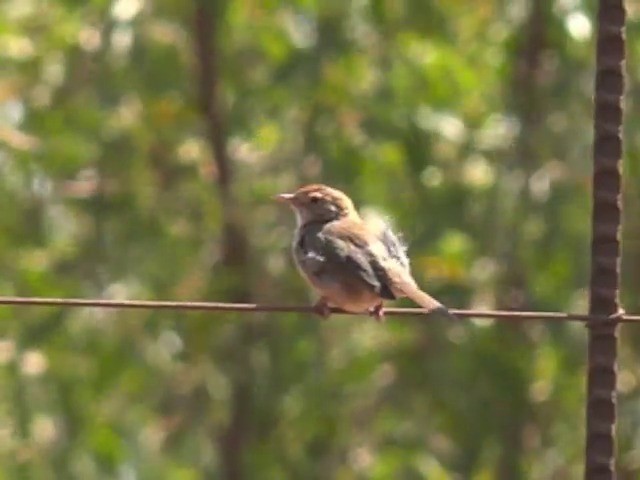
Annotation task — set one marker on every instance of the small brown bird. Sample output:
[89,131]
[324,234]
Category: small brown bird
[352,265]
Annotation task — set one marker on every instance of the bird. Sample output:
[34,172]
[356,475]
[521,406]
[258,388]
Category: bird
[353,265]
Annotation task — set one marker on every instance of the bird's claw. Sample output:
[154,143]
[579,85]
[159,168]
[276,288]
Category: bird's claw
[377,312]
[322,308]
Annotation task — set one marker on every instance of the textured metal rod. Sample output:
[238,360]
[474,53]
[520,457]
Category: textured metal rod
[605,242]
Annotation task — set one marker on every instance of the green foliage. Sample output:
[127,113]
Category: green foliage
[426,112]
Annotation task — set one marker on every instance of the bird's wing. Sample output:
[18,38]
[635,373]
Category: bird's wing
[326,257]
[353,246]
[396,248]
[377,253]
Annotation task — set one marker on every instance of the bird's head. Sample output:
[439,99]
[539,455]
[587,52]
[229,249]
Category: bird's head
[318,203]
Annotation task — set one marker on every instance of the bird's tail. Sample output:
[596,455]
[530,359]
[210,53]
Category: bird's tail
[426,301]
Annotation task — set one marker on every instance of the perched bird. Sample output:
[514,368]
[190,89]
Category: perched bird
[351,264]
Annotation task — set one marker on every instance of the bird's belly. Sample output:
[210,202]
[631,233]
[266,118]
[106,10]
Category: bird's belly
[352,295]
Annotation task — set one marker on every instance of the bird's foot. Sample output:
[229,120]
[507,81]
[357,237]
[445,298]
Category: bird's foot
[322,308]
[377,312]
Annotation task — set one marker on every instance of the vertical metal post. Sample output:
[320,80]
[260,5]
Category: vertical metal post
[605,244]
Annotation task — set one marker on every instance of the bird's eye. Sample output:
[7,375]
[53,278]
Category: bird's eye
[315,200]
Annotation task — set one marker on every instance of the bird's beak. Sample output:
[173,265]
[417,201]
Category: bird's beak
[284,197]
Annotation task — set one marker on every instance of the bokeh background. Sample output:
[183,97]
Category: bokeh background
[140,145]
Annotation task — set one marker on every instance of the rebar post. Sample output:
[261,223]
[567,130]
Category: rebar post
[605,246]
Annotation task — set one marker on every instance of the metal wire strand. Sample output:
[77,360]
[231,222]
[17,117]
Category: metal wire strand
[254,308]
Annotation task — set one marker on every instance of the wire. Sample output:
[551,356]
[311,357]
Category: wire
[254,308]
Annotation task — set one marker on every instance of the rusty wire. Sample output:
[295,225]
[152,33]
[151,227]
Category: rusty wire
[255,308]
